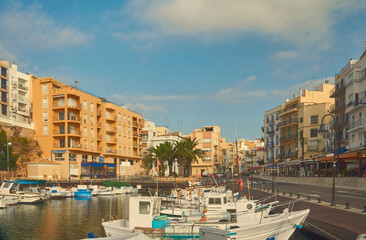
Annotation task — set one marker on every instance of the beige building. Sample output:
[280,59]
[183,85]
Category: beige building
[87,135]
[162,130]
[208,139]
[299,113]
[44,169]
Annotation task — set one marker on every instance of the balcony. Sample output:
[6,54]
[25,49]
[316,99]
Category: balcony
[111,118]
[111,151]
[289,155]
[111,141]
[76,107]
[23,110]
[289,109]
[57,145]
[112,130]
[57,119]
[288,122]
[135,124]
[357,125]
[22,87]
[337,91]
[357,104]
[75,146]
[99,125]
[22,99]
[99,138]
[339,108]
[289,137]
[99,113]
[74,132]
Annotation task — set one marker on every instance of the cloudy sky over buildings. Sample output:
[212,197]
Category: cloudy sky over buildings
[186,63]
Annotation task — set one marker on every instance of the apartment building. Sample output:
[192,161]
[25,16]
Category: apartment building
[89,136]
[356,104]
[272,134]
[15,104]
[208,139]
[228,156]
[298,113]
[339,110]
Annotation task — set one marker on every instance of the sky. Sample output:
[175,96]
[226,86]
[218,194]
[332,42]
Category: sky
[186,64]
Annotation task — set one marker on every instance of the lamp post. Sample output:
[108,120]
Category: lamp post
[323,130]
[7,150]
[269,149]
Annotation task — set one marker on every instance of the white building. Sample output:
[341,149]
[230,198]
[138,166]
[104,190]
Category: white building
[17,99]
[272,134]
[356,104]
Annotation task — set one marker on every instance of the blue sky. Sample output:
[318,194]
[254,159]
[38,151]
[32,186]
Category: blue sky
[186,63]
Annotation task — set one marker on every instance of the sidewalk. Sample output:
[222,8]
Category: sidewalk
[355,183]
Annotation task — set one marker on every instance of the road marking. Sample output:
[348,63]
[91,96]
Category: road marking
[361,194]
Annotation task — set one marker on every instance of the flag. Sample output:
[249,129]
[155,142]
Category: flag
[204,217]
[248,183]
[240,184]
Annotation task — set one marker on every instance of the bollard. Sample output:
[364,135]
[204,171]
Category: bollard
[347,206]
[308,198]
[319,200]
[290,194]
[364,209]
[283,193]
[298,195]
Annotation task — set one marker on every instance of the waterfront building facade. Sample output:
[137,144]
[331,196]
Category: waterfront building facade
[208,139]
[15,104]
[272,136]
[87,135]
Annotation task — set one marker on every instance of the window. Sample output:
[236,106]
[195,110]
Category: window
[61,129]
[72,157]
[124,118]
[119,117]
[119,128]
[3,83]
[131,162]
[92,120]
[59,156]
[61,143]
[314,132]
[92,145]
[92,133]
[91,107]
[207,140]
[44,89]
[45,130]
[301,120]
[94,158]
[85,158]
[144,207]
[61,116]
[3,97]
[85,118]
[129,120]
[85,105]
[85,131]
[85,144]
[45,116]
[314,119]
[107,114]
[45,102]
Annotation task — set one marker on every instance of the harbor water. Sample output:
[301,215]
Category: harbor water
[71,218]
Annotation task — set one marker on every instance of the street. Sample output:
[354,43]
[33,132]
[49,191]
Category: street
[356,198]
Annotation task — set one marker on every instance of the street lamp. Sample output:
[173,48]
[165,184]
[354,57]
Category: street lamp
[7,150]
[323,130]
[269,149]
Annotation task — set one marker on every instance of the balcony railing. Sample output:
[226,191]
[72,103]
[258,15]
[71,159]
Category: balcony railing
[22,87]
[290,108]
[111,151]
[288,122]
[288,137]
[358,123]
[74,118]
[335,92]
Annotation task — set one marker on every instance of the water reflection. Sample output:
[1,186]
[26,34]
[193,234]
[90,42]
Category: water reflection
[67,219]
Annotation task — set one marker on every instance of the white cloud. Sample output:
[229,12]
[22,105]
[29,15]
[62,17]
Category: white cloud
[29,28]
[296,21]
[285,55]
[145,108]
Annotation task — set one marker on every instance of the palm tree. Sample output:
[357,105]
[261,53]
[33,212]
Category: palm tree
[168,150]
[156,156]
[192,154]
[180,153]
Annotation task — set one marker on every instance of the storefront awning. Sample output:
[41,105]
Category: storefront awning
[344,157]
[96,164]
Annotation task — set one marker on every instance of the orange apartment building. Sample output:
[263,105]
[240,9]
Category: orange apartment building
[87,135]
[209,140]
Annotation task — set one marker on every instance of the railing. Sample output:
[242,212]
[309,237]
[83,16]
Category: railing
[111,151]
[292,136]
[56,145]
[22,99]
[74,118]
[74,132]
[358,123]
[77,106]
[22,87]
[287,109]
[287,122]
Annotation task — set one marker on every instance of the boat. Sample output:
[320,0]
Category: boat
[57,193]
[3,203]
[147,209]
[11,188]
[82,191]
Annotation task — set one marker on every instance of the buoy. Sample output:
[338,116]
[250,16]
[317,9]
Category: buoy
[299,226]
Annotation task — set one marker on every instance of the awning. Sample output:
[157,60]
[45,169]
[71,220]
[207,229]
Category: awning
[97,164]
[344,157]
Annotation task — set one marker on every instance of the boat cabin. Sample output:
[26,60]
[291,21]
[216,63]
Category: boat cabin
[142,211]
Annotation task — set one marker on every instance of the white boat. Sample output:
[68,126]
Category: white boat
[11,200]
[57,193]
[127,236]
[11,188]
[105,191]
[94,189]
[142,211]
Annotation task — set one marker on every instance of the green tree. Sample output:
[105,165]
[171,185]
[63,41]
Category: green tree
[156,155]
[192,155]
[3,154]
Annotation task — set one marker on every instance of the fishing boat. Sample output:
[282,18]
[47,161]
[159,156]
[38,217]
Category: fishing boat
[82,191]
